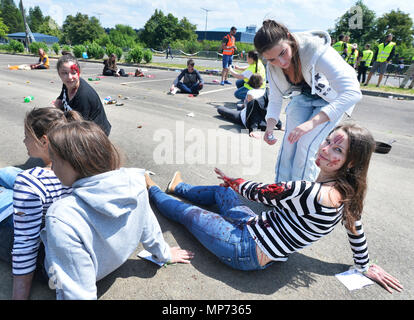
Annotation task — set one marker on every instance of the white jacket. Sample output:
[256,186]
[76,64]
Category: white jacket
[324,70]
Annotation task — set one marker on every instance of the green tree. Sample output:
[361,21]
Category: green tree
[80,28]
[35,18]
[161,29]
[359,31]
[11,16]
[123,36]
[3,28]
[399,24]
[50,27]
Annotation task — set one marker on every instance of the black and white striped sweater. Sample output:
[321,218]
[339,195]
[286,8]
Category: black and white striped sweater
[297,219]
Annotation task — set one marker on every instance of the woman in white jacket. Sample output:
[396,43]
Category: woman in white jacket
[322,87]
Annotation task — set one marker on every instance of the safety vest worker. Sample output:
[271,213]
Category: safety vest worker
[352,58]
[384,51]
[260,70]
[367,57]
[339,47]
[231,41]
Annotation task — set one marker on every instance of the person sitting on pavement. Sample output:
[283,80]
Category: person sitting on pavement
[93,231]
[303,211]
[111,69]
[255,65]
[30,193]
[78,95]
[43,61]
[192,82]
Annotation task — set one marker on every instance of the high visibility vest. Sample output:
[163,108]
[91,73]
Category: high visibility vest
[45,60]
[339,47]
[348,54]
[384,52]
[353,57]
[260,70]
[367,57]
[231,40]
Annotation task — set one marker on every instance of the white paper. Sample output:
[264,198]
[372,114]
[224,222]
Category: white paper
[353,279]
[144,254]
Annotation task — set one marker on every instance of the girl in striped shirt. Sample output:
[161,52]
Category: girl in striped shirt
[303,211]
[33,192]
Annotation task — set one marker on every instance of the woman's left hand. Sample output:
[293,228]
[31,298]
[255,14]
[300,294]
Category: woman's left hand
[379,275]
[179,255]
[299,131]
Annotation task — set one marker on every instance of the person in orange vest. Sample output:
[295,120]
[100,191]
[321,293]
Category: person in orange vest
[382,57]
[229,46]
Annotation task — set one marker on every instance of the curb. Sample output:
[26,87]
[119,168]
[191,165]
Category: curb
[389,95]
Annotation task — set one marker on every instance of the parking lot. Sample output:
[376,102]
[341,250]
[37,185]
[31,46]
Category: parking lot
[164,133]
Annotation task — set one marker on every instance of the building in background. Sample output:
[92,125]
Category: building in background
[218,35]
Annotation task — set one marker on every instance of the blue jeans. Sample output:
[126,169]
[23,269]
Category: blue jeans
[241,91]
[297,161]
[224,234]
[7,178]
[227,61]
[195,88]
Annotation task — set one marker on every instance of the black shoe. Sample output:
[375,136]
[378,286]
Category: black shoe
[279,125]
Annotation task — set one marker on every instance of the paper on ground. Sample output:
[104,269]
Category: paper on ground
[353,279]
[144,254]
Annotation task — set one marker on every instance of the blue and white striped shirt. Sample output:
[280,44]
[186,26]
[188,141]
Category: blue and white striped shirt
[34,191]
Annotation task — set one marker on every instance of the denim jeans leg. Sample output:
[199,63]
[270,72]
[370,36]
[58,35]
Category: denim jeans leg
[240,83]
[241,93]
[183,88]
[220,236]
[8,176]
[298,111]
[6,239]
[304,166]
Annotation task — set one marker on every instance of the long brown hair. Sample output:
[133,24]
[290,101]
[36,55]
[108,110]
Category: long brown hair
[273,33]
[85,146]
[351,180]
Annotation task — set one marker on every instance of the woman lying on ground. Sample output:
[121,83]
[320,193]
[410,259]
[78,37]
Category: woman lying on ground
[303,211]
[252,117]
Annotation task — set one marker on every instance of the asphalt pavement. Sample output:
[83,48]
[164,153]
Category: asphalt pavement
[164,133]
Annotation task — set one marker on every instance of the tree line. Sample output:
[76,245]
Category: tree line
[163,29]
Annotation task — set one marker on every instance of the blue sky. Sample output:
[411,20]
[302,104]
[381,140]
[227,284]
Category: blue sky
[296,14]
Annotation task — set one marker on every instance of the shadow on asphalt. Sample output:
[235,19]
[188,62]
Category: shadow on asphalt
[299,271]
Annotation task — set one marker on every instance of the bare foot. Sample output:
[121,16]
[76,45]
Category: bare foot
[174,182]
[149,181]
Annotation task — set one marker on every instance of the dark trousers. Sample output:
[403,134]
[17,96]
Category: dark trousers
[194,89]
[362,72]
[112,73]
[230,114]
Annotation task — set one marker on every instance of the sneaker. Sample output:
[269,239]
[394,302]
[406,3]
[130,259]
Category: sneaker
[222,83]
[227,82]
[174,91]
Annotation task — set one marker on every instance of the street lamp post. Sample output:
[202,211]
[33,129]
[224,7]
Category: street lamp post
[205,32]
